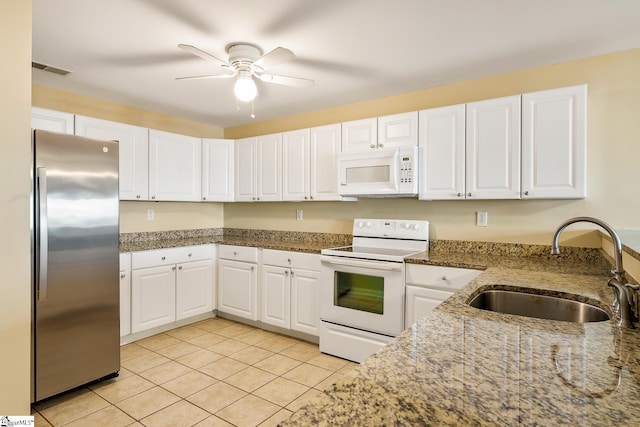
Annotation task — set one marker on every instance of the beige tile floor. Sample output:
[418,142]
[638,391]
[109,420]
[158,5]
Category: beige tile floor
[212,373]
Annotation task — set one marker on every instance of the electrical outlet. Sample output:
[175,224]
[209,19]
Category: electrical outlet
[481,219]
[150,214]
[299,214]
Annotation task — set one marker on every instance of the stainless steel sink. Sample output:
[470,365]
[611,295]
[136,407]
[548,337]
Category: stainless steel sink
[539,306]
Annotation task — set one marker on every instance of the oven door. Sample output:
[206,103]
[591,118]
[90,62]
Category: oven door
[363,294]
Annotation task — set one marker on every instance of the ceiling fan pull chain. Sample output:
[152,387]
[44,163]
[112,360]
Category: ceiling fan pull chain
[252,115]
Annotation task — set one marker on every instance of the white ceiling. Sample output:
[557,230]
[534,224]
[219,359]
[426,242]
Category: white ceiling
[126,50]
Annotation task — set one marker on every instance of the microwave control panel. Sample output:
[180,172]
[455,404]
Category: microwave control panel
[406,168]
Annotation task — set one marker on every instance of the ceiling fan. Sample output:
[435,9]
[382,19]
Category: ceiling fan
[246,61]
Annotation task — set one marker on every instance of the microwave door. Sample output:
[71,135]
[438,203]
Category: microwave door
[373,176]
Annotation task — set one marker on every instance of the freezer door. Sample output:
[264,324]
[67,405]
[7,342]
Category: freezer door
[75,272]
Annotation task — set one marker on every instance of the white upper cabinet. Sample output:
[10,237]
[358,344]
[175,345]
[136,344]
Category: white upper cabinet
[326,142]
[246,169]
[133,146]
[55,121]
[398,130]
[174,166]
[554,140]
[295,165]
[493,149]
[217,170]
[258,164]
[442,155]
[359,135]
[270,168]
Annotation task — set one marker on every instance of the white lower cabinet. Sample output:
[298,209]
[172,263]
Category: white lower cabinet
[171,284]
[125,294]
[427,286]
[290,290]
[238,281]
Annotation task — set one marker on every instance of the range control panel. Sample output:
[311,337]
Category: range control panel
[391,228]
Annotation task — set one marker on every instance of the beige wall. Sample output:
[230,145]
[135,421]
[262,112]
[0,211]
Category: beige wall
[133,215]
[15,289]
[613,153]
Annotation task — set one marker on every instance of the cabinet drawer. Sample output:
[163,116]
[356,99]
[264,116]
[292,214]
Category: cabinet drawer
[291,259]
[145,259]
[239,253]
[439,277]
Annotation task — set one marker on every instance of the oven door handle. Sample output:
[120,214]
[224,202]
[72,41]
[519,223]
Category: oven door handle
[374,265]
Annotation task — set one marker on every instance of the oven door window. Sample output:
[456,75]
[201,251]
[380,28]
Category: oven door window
[359,292]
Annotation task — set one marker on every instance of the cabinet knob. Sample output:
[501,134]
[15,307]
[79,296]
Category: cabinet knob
[173,268]
[123,275]
[289,260]
[292,272]
[286,272]
[164,258]
[311,197]
[372,146]
[306,198]
[153,197]
[257,198]
[443,278]
[204,198]
[526,193]
[252,267]
[138,196]
[180,268]
[235,253]
[381,145]
[469,194]
[189,255]
[459,194]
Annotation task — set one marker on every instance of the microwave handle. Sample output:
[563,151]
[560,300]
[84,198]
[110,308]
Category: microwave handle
[374,265]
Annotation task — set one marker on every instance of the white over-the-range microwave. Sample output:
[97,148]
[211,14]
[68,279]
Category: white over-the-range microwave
[389,172]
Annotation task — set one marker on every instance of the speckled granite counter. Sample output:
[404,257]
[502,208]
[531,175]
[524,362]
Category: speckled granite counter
[461,366]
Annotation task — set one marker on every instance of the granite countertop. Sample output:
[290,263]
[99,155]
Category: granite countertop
[463,366]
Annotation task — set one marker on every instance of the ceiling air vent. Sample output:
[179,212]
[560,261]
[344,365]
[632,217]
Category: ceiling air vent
[50,68]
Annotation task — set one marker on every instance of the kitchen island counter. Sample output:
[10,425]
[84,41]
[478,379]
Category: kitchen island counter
[465,366]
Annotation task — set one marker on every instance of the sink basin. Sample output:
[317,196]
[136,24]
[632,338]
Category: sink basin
[539,306]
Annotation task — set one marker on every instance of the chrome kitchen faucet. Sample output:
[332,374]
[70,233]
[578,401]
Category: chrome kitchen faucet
[625,305]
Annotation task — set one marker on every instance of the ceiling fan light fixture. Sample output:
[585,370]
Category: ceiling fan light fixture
[245,88]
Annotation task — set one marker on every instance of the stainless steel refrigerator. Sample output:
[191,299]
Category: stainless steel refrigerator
[75,227]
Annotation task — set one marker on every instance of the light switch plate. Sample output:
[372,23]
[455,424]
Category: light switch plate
[299,214]
[150,214]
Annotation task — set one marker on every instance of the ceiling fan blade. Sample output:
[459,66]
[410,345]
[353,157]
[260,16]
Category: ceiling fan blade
[202,54]
[208,76]
[277,56]
[285,80]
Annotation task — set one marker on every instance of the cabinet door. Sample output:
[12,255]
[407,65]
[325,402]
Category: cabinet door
[326,142]
[359,135]
[554,143]
[246,169]
[125,302]
[276,290]
[442,142]
[153,297]
[270,168]
[194,289]
[54,121]
[295,165]
[174,166]
[125,294]
[237,288]
[305,296]
[398,130]
[420,302]
[493,149]
[217,170]
[133,146]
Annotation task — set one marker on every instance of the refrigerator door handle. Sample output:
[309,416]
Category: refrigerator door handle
[43,234]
